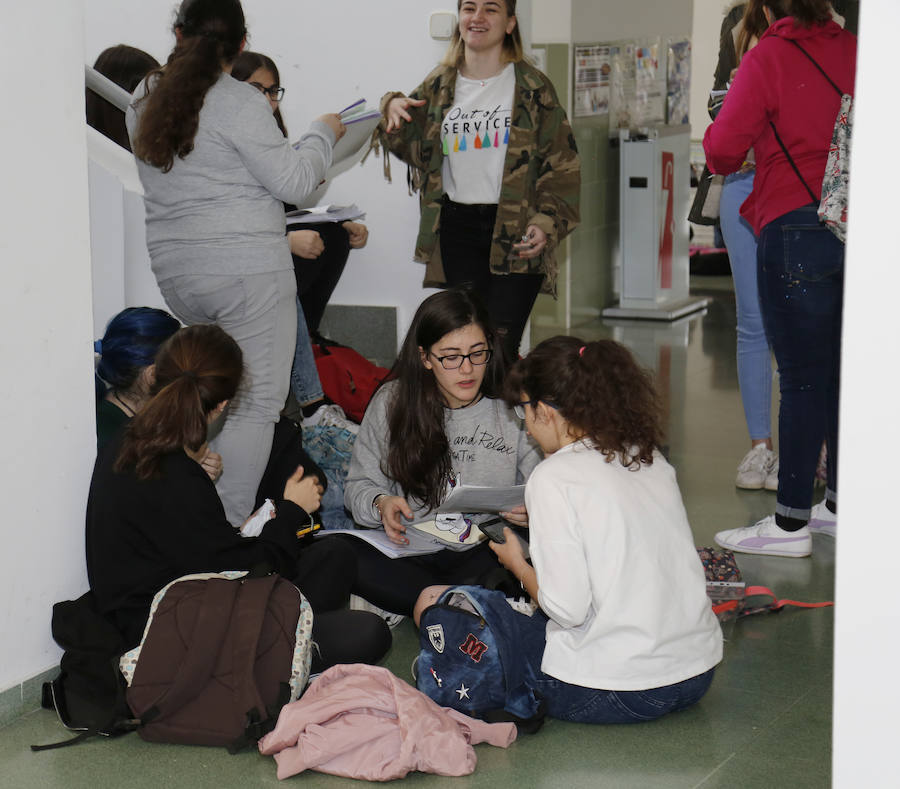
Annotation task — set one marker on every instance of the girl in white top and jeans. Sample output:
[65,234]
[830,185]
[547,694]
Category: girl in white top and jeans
[630,634]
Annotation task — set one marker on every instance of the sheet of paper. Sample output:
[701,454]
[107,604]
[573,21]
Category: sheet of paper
[419,545]
[323,213]
[473,498]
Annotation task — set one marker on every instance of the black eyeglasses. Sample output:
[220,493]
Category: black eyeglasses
[274,92]
[454,361]
[519,408]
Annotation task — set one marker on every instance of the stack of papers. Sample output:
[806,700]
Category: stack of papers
[323,213]
[360,122]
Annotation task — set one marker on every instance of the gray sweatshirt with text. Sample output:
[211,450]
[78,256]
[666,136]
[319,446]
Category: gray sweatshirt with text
[488,443]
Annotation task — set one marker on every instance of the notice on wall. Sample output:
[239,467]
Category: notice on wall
[678,82]
[649,88]
[592,76]
[622,88]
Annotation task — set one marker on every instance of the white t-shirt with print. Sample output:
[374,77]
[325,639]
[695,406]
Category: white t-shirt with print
[474,136]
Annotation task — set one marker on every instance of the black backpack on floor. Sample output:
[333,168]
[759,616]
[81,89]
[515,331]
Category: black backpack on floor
[89,693]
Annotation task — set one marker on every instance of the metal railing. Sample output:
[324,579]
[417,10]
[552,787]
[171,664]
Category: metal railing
[106,88]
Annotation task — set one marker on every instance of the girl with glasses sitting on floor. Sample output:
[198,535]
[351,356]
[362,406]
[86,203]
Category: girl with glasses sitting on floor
[438,415]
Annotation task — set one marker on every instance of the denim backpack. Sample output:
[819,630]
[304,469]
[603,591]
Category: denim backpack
[470,658]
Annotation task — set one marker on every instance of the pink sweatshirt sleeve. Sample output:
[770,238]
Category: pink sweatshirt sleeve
[741,121]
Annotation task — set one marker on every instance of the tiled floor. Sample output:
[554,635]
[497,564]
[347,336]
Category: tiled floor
[766,722]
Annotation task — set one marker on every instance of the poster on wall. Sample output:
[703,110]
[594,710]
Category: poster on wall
[621,87]
[678,83]
[649,88]
[592,72]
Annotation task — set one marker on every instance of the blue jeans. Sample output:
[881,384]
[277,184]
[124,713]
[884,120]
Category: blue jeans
[801,289]
[305,382]
[754,359]
[578,704]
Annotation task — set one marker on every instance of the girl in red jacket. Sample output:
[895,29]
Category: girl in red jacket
[783,107]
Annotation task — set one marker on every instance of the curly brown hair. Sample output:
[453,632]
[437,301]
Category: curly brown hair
[209,33]
[599,389]
[197,368]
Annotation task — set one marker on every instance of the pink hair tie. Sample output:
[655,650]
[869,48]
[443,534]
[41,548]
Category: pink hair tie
[581,350]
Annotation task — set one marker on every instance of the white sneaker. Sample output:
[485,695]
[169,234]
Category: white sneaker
[822,520]
[767,538]
[755,468]
[772,476]
[358,603]
[331,415]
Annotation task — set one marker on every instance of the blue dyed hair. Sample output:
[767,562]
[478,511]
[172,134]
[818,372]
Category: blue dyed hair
[130,344]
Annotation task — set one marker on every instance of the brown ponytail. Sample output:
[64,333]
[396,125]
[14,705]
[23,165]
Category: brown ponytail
[196,369]
[211,33]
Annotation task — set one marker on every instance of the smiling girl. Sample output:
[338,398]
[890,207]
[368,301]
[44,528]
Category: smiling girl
[492,154]
[436,416]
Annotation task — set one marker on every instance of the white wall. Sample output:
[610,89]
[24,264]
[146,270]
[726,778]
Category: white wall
[708,16]
[46,401]
[867,620]
[328,54]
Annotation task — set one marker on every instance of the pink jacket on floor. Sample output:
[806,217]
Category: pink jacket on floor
[361,721]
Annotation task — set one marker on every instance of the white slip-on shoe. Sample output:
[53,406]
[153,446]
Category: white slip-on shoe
[765,537]
[772,476]
[822,520]
[754,468]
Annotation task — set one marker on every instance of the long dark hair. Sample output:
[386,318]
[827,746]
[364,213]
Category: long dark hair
[196,369]
[211,32]
[129,344]
[126,66]
[418,455]
[754,24]
[243,67]
[805,13]
[600,389]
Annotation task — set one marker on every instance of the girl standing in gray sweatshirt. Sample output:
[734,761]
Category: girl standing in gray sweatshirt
[215,171]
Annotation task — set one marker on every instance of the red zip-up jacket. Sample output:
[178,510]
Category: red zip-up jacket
[776,82]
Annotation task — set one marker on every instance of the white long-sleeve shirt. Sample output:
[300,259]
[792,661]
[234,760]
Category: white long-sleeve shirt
[618,574]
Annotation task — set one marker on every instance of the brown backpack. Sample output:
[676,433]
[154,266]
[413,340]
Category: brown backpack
[219,659]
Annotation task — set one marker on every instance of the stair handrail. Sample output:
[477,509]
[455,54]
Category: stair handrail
[105,87]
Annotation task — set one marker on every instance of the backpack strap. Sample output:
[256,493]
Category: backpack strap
[248,617]
[783,147]
[793,164]
[815,63]
[209,632]
[762,591]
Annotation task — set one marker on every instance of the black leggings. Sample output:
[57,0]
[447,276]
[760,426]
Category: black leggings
[317,279]
[465,238]
[395,584]
[326,573]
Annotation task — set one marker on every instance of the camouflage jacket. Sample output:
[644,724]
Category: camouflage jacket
[541,174]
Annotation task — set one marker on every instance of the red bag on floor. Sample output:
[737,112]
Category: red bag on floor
[348,378]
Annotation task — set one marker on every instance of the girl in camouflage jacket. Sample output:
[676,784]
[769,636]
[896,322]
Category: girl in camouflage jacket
[535,204]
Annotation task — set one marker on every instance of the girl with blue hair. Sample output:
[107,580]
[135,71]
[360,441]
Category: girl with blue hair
[125,370]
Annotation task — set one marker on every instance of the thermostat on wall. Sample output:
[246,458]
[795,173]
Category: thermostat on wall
[441,25]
